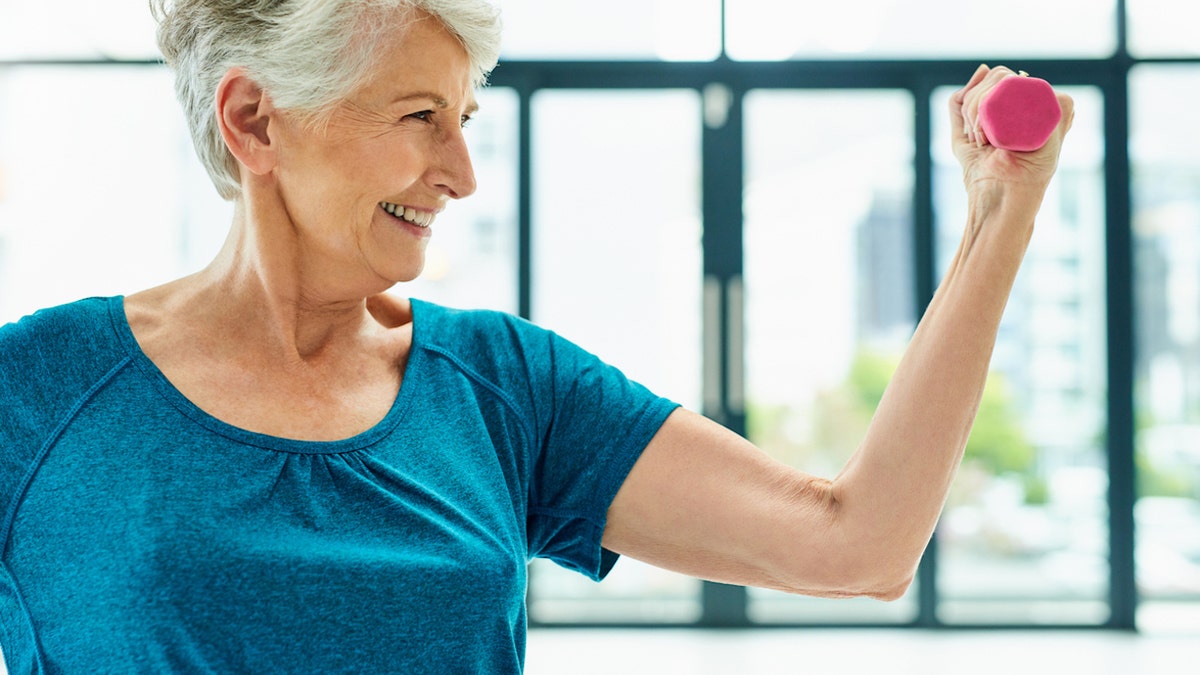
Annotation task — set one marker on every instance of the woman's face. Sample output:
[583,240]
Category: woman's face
[363,191]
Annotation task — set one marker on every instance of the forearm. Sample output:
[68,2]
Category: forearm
[889,495]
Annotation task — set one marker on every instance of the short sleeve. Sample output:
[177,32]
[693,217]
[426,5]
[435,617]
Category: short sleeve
[600,421]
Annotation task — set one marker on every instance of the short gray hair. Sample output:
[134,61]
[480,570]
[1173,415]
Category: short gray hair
[307,54]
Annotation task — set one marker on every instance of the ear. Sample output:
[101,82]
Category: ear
[245,114]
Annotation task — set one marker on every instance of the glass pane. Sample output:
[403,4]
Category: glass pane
[617,269]
[1166,231]
[670,30]
[472,258]
[142,211]
[151,213]
[1163,27]
[828,231]
[76,29]
[772,30]
[1024,537]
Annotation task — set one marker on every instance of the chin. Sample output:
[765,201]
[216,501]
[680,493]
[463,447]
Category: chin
[406,275]
[397,268]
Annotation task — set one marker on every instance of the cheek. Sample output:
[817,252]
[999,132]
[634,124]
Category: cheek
[333,183]
[350,173]
[383,170]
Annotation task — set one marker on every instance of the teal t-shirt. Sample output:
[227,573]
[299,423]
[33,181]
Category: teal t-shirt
[140,534]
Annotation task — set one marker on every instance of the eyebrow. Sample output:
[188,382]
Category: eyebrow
[438,101]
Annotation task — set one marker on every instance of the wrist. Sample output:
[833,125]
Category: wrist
[1010,202]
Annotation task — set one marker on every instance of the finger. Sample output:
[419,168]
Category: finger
[974,96]
[977,76]
[954,106]
[960,122]
[1068,107]
[1067,104]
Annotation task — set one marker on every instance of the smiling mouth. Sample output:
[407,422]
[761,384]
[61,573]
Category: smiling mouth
[409,214]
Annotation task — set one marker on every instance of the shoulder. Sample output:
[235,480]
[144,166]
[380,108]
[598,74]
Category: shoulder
[504,352]
[44,355]
[58,329]
[499,342]
[518,355]
[477,334]
[58,318]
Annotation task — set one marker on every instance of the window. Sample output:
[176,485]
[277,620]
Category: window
[101,192]
[1166,229]
[829,302]
[616,268]
[669,30]
[78,29]
[1163,28]
[1024,537]
[769,30]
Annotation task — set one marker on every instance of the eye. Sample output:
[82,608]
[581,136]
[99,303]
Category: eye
[423,116]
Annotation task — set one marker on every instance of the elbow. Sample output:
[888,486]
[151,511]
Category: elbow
[854,576]
[885,574]
[849,567]
[885,577]
[874,587]
[878,583]
[846,555]
[893,591]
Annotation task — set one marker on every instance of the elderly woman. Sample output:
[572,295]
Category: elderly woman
[272,465]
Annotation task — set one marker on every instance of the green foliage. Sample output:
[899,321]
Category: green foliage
[869,376]
[1037,492]
[835,424]
[997,441]
[1157,481]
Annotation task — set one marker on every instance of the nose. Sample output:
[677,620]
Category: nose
[452,173]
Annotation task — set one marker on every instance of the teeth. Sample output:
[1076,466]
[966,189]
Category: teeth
[418,218]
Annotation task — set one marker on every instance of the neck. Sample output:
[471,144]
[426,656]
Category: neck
[263,282]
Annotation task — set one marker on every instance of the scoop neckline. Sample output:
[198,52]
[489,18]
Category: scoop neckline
[177,399]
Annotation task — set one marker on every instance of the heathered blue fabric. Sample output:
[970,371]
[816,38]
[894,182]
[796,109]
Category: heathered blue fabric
[140,534]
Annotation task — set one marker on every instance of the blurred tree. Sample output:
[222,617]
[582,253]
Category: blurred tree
[822,437]
[997,441]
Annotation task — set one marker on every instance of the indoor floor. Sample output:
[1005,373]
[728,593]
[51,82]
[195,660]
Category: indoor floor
[830,651]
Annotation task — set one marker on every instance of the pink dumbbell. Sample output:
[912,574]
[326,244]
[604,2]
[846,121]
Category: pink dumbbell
[1019,113]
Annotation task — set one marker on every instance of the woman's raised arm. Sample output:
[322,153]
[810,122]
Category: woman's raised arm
[703,501]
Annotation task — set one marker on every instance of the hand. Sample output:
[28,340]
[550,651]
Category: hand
[985,166]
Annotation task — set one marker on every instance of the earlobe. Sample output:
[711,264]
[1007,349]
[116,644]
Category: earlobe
[244,113]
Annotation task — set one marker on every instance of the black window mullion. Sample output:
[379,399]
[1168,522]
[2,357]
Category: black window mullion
[721,207]
[525,201]
[924,233]
[1122,492]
